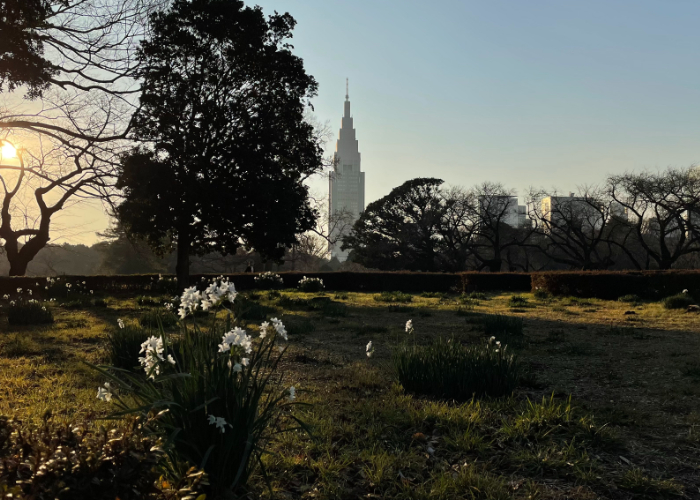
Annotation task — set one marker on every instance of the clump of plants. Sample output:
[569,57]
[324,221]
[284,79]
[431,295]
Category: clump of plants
[501,325]
[68,460]
[154,317]
[124,345]
[517,301]
[541,294]
[450,370]
[164,285]
[246,308]
[678,301]
[394,297]
[212,406]
[269,281]
[29,312]
[311,285]
[630,299]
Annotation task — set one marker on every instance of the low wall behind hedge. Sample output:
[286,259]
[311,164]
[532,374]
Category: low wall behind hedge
[614,284]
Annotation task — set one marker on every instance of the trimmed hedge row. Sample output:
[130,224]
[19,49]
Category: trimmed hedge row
[612,285]
[598,284]
[491,282]
[342,281]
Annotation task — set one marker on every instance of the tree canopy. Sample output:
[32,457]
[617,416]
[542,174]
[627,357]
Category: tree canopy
[226,149]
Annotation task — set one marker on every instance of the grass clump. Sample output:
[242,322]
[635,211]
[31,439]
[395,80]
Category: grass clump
[678,301]
[501,324]
[637,481]
[29,313]
[540,294]
[447,369]
[630,299]
[394,297]
[124,346]
[517,301]
[150,319]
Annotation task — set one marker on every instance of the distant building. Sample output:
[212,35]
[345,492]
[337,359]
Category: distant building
[346,182]
[560,211]
[504,207]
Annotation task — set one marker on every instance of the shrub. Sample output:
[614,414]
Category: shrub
[311,285]
[396,308]
[150,319]
[678,301]
[434,295]
[610,285]
[28,312]
[448,369]
[630,298]
[517,301]
[341,296]
[500,324]
[395,297]
[542,294]
[269,281]
[164,285]
[222,408]
[69,461]
[273,294]
[124,346]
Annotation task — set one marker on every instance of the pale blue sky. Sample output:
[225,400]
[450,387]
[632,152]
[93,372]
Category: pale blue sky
[537,93]
[544,93]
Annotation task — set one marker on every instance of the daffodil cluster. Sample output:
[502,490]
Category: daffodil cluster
[192,299]
[153,354]
[311,284]
[268,279]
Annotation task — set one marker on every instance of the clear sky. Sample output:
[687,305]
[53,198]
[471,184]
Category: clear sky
[528,93]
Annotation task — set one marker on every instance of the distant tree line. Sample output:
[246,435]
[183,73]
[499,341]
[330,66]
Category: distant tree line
[647,220]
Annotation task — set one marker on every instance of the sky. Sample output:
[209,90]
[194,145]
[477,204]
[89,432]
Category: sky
[548,94]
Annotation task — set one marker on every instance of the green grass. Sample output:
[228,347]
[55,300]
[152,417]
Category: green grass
[394,297]
[372,438]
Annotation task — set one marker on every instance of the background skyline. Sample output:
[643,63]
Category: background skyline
[543,93]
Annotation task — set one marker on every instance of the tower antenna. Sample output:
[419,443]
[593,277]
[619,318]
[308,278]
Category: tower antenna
[347,87]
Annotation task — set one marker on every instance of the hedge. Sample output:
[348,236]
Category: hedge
[341,281]
[491,282]
[612,285]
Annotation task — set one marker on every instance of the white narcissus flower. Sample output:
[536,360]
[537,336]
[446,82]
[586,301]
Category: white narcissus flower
[279,327]
[369,349]
[29,292]
[219,422]
[237,368]
[245,361]
[236,337]
[409,326]
[103,393]
[263,329]
[292,393]
[120,323]
[19,290]
[171,360]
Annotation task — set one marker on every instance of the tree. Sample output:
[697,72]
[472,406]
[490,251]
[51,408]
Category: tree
[74,61]
[226,147]
[661,210]
[400,230]
[577,231]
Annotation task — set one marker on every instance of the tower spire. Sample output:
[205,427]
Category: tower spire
[347,87]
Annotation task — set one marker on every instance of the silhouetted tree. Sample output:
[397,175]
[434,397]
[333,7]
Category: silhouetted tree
[75,57]
[226,146]
[400,230]
[662,211]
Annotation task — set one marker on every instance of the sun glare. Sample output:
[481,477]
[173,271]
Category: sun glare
[8,151]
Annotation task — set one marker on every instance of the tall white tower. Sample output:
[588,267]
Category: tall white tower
[347,182]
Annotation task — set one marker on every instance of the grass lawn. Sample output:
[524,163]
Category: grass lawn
[608,406]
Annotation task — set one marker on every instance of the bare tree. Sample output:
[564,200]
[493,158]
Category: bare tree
[662,213]
[75,61]
[577,231]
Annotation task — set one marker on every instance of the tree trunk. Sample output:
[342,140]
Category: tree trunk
[182,267]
